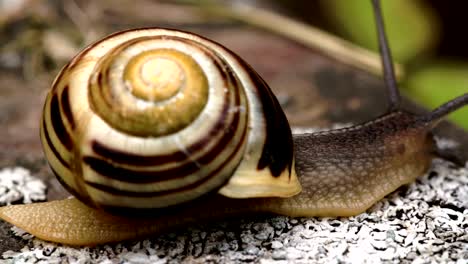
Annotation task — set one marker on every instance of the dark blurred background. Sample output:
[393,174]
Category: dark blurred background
[37,37]
[426,36]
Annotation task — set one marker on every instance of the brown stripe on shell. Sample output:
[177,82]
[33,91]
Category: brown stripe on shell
[65,100]
[57,124]
[126,158]
[56,84]
[78,58]
[104,74]
[51,146]
[112,170]
[107,97]
[100,91]
[230,131]
[228,127]
[115,191]
[72,191]
[278,150]
[104,70]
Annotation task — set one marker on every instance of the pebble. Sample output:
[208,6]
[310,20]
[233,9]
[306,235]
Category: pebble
[293,253]
[279,255]
[276,245]
[17,185]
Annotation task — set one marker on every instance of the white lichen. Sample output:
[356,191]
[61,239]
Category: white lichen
[446,143]
[18,186]
[427,222]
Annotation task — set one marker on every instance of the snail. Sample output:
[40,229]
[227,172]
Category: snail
[154,128]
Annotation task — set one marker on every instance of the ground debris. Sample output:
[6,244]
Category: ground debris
[426,221]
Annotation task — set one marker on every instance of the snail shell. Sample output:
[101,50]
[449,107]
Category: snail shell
[151,118]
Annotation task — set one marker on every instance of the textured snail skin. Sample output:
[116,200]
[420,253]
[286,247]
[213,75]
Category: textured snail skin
[349,171]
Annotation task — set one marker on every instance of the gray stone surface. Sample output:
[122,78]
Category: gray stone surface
[426,222]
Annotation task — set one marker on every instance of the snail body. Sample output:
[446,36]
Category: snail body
[344,177]
[178,128]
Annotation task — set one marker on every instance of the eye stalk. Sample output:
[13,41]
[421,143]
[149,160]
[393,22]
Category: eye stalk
[394,97]
[390,79]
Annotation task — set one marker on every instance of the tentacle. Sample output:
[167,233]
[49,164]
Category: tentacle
[445,109]
[389,72]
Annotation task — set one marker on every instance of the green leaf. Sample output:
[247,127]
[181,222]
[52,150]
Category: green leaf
[439,82]
[412,27]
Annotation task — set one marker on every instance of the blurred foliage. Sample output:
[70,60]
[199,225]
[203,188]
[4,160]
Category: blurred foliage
[414,30]
[412,27]
[437,83]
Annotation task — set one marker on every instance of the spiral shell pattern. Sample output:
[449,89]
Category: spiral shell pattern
[151,118]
